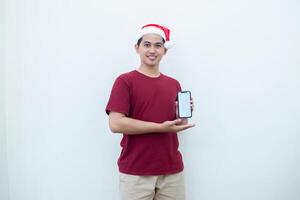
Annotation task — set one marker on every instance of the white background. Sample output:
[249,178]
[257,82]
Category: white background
[239,58]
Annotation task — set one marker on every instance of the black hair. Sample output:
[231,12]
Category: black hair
[140,40]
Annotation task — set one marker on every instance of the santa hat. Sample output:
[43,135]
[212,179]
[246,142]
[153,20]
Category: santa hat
[156,29]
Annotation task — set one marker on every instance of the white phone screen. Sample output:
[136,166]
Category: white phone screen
[184,104]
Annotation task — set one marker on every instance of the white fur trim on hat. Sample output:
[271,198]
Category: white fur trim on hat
[151,30]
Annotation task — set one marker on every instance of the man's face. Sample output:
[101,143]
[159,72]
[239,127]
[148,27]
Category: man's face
[151,49]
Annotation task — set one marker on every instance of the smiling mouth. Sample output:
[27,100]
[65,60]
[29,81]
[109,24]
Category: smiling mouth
[152,57]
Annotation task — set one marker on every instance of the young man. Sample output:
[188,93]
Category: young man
[143,107]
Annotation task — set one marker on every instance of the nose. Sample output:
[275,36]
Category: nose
[152,49]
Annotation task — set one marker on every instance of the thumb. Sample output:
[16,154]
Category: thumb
[177,121]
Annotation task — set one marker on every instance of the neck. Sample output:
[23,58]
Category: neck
[152,71]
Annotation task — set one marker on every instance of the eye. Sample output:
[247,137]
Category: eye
[158,45]
[146,44]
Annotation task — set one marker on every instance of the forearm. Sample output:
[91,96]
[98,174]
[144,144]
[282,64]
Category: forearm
[132,126]
[119,123]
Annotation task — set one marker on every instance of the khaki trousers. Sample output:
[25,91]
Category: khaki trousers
[165,187]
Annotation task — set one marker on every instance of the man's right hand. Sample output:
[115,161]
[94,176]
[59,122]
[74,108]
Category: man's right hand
[175,126]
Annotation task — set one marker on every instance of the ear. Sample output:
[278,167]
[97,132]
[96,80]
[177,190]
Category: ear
[136,47]
[166,50]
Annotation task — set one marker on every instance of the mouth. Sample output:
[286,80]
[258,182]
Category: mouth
[152,57]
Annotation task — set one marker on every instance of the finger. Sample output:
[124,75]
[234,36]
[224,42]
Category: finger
[177,121]
[192,105]
[184,127]
[189,126]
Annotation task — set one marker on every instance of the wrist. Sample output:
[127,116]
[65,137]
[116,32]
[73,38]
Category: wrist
[159,127]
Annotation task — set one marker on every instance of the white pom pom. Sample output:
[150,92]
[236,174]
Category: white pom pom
[168,44]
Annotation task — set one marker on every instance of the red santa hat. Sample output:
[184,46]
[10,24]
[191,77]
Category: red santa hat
[156,29]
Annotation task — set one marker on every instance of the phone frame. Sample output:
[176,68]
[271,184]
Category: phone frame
[185,91]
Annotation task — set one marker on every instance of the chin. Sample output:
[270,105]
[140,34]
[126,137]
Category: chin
[151,64]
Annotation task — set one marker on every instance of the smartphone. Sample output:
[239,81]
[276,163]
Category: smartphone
[184,104]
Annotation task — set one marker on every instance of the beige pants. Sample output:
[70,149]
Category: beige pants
[166,187]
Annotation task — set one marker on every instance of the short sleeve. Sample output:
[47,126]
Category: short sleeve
[119,100]
[178,89]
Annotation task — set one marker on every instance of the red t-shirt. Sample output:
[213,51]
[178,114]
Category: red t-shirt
[149,99]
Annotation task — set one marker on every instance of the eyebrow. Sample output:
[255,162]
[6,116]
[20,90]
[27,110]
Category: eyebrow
[154,43]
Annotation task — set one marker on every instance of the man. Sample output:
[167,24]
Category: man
[143,107]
